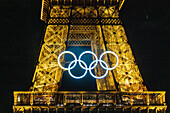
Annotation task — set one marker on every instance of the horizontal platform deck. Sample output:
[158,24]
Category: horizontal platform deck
[30,102]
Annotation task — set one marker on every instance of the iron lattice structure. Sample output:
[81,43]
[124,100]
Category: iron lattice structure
[92,23]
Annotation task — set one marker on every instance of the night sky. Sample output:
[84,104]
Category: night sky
[146,22]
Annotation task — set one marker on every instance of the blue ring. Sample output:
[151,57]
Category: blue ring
[93,68]
[69,71]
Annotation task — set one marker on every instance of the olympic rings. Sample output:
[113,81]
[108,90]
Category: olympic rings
[91,66]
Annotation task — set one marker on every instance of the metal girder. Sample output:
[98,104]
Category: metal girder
[47,5]
[127,72]
[48,75]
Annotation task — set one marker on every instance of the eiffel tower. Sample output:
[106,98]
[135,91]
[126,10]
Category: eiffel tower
[96,24]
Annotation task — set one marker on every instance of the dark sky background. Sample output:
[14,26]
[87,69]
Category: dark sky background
[146,22]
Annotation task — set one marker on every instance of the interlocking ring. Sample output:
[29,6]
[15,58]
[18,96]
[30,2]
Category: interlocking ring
[69,71]
[91,66]
[100,76]
[114,55]
[69,52]
[90,52]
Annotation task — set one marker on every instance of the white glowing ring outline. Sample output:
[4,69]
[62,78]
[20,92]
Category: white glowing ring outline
[90,52]
[100,77]
[69,71]
[69,52]
[113,66]
[86,68]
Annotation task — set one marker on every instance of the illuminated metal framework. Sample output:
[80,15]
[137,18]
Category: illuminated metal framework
[92,23]
[88,101]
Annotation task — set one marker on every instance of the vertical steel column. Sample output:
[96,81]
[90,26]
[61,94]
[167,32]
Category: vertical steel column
[147,99]
[31,99]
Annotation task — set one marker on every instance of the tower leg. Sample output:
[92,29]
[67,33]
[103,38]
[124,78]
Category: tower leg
[127,74]
[48,75]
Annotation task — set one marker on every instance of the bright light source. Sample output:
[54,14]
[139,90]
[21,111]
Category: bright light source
[70,67]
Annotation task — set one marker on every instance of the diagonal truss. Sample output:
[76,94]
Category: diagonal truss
[47,75]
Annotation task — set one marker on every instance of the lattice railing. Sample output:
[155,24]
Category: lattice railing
[93,98]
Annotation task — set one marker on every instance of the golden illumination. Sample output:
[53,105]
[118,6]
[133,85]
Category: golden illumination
[92,23]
